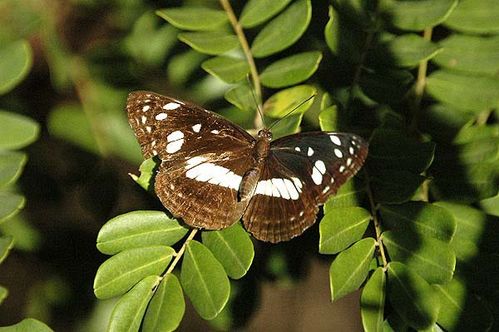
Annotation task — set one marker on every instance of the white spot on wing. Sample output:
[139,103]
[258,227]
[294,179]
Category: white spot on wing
[174,146]
[297,183]
[216,132]
[171,106]
[144,119]
[194,161]
[293,193]
[319,164]
[350,149]
[176,135]
[335,140]
[196,128]
[297,148]
[148,129]
[338,153]
[146,108]
[214,174]
[326,189]
[283,190]
[310,152]
[316,176]
[342,168]
[349,161]
[161,116]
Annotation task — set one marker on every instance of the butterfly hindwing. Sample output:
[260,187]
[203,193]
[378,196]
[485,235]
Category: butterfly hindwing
[203,158]
[300,173]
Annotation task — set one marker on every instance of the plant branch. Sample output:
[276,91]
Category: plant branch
[419,86]
[249,57]
[377,224]
[181,251]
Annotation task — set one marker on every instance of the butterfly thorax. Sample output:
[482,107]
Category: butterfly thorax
[260,154]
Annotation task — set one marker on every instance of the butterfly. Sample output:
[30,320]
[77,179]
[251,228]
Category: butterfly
[214,173]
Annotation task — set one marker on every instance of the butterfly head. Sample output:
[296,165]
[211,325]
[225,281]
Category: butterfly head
[265,134]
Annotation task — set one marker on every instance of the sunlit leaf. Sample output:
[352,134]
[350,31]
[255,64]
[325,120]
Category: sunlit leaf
[11,204]
[284,30]
[120,272]
[11,166]
[256,12]
[340,227]
[230,70]
[139,229]
[194,18]
[167,306]
[212,43]
[6,243]
[284,101]
[204,280]
[291,70]
[414,15]
[28,324]
[475,17]
[147,172]
[372,302]
[412,297]
[17,131]
[128,312]
[350,194]
[241,97]
[328,118]
[16,59]
[232,247]
[349,269]
[432,259]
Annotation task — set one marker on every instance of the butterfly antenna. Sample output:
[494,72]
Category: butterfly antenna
[258,109]
[294,109]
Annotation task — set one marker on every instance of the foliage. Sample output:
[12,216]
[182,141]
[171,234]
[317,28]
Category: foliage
[415,231]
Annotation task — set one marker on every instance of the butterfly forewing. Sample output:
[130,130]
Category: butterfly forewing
[312,166]
[203,158]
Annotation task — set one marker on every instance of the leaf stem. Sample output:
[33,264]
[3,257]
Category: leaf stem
[377,224]
[249,57]
[181,251]
[419,86]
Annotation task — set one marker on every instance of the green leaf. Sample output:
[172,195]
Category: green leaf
[340,227]
[230,70]
[204,280]
[491,205]
[443,121]
[284,101]
[16,59]
[28,324]
[460,309]
[70,123]
[147,170]
[120,272]
[232,247]
[139,229]
[284,30]
[16,130]
[394,186]
[390,149]
[212,43]
[349,270]
[420,217]
[291,70]
[167,306]
[6,243]
[256,12]
[241,97]
[128,312]
[11,166]
[4,292]
[406,51]
[349,195]
[287,126]
[11,204]
[328,118]
[475,17]
[477,54]
[194,18]
[472,92]
[471,224]
[412,297]
[182,66]
[432,259]
[372,302]
[414,15]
